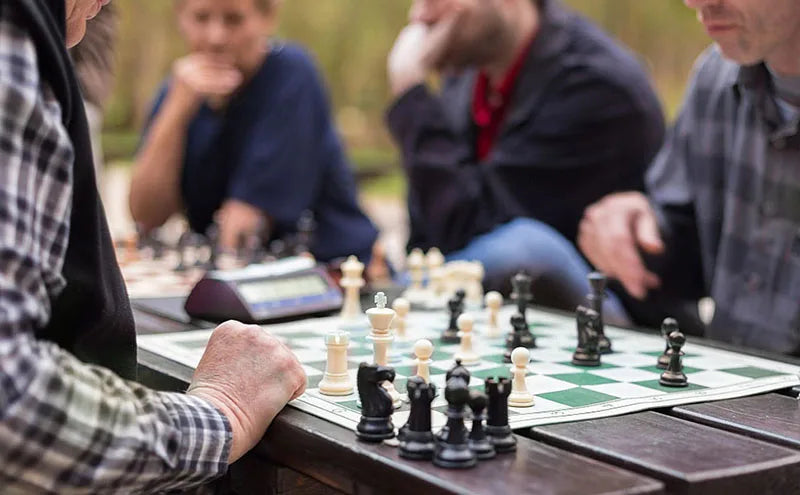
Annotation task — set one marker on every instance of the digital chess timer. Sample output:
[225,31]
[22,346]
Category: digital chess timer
[257,293]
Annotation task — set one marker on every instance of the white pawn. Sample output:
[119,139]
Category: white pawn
[467,356]
[494,300]
[423,350]
[401,308]
[337,380]
[416,269]
[520,397]
[435,260]
[352,281]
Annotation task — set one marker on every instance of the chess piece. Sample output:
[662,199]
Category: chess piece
[458,370]
[597,281]
[380,319]
[494,300]
[416,437]
[474,272]
[435,261]
[478,440]
[521,293]
[423,350]
[466,354]
[336,380]
[351,282]
[520,336]
[668,326]
[183,243]
[416,269]
[587,353]
[376,404]
[450,335]
[674,376]
[212,234]
[401,308]
[306,225]
[497,428]
[520,396]
[452,450]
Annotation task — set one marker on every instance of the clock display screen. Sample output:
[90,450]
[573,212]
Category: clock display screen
[280,289]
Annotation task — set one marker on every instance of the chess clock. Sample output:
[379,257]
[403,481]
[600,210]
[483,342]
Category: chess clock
[290,287]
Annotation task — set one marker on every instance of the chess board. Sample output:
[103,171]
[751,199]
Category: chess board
[627,380]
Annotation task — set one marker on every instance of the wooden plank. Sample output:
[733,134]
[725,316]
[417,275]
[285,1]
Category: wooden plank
[332,455]
[771,417]
[688,457]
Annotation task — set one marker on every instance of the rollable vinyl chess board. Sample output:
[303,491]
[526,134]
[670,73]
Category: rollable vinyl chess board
[627,380]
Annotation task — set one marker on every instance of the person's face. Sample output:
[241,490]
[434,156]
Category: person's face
[479,26]
[231,30]
[749,31]
[78,12]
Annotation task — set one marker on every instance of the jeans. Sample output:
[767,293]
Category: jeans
[559,272]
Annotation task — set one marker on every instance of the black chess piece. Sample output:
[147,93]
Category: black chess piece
[212,235]
[460,371]
[450,335]
[519,336]
[452,450]
[597,281]
[587,353]
[478,440]
[668,326]
[521,293]
[674,376]
[416,437]
[306,225]
[376,403]
[183,243]
[497,429]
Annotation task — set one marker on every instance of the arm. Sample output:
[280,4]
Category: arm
[155,186]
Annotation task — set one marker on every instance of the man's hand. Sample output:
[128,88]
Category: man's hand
[199,77]
[238,221]
[420,49]
[611,233]
[249,375]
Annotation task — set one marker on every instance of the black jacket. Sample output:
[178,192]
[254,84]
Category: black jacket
[91,317]
[583,122]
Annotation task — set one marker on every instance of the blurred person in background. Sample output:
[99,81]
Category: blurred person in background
[242,132]
[71,419]
[721,216]
[540,115]
[93,59]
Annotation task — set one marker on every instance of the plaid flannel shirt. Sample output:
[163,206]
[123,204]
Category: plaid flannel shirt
[733,161]
[67,427]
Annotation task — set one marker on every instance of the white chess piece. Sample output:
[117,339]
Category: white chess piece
[466,354]
[352,281]
[494,300]
[435,260]
[423,350]
[401,308]
[380,319]
[520,397]
[474,283]
[416,269]
[336,380]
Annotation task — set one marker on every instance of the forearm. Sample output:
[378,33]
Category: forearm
[155,186]
[67,426]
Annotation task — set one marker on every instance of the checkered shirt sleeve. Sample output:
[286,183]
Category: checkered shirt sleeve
[67,427]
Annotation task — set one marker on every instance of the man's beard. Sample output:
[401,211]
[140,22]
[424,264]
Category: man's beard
[478,50]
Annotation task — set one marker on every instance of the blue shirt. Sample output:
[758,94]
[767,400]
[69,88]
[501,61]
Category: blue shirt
[275,147]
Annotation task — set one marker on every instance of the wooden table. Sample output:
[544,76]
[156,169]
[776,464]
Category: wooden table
[748,445]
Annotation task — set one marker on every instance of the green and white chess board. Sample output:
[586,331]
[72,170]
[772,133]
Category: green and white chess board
[627,380]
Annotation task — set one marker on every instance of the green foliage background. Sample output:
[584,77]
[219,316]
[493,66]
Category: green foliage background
[350,40]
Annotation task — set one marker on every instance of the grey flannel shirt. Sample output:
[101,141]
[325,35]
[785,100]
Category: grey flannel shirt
[733,162]
[66,427]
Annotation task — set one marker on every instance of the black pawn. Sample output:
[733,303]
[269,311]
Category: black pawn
[478,440]
[497,429]
[521,293]
[416,437]
[587,353]
[376,403]
[450,335]
[452,450]
[667,327]
[520,336]
[597,281]
[674,376]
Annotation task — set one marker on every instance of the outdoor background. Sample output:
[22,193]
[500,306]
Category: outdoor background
[350,40]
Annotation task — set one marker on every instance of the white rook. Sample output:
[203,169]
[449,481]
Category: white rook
[336,380]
